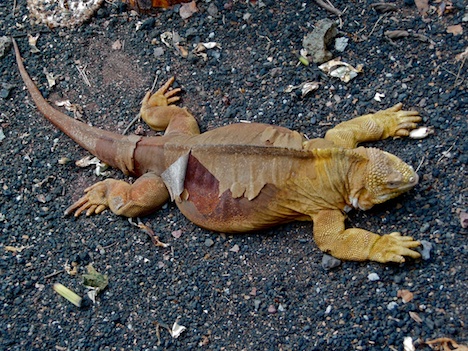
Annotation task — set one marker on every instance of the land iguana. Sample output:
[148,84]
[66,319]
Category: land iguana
[248,177]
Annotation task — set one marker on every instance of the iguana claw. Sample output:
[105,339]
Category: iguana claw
[162,97]
[94,202]
[396,122]
[393,247]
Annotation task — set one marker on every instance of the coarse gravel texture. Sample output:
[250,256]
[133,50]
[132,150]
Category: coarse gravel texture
[270,292]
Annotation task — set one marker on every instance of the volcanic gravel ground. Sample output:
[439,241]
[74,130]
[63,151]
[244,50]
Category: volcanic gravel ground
[259,291]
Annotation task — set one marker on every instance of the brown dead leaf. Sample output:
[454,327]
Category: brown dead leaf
[405,295]
[462,56]
[446,344]
[456,29]
[188,9]
[395,34]
[423,6]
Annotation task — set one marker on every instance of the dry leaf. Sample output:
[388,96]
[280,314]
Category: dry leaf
[177,329]
[415,317]
[188,9]
[50,78]
[87,161]
[117,45]
[32,43]
[309,87]
[396,34]
[423,6]
[14,248]
[211,45]
[446,344]
[339,69]
[456,29]
[154,238]
[408,344]
[166,38]
[463,55]
[405,295]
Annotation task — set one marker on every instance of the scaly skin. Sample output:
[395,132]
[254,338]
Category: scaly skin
[246,177]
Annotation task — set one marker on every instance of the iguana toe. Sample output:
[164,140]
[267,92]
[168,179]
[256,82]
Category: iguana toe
[393,248]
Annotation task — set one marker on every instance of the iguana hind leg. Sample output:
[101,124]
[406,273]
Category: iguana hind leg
[146,195]
[392,122]
[356,244]
[157,111]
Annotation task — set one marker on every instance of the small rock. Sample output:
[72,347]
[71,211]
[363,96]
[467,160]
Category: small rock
[235,248]
[341,44]
[329,262]
[373,277]
[5,44]
[328,310]
[316,42]
[464,219]
[426,249]
[158,52]
[177,233]
[424,227]
[209,242]
[148,24]
[212,10]
[392,305]
[271,309]
[281,308]
[406,295]
[257,304]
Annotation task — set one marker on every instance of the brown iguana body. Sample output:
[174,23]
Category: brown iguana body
[246,177]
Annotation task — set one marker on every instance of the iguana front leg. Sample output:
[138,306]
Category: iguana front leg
[146,195]
[356,244]
[157,111]
[392,122]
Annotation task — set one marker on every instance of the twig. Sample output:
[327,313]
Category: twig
[155,81]
[51,275]
[448,71]
[375,25]
[420,164]
[329,7]
[138,116]
[14,8]
[132,122]
[83,75]
[458,73]
[446,152]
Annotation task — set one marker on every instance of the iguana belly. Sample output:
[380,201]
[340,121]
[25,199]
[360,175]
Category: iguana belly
[203,205]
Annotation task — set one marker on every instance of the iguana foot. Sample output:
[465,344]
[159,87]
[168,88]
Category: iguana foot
[397,123]
[162,97]
[393,247]
[94,202]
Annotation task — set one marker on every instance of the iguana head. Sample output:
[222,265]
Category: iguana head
[386,177]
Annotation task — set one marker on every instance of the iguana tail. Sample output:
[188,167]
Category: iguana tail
[114,149]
